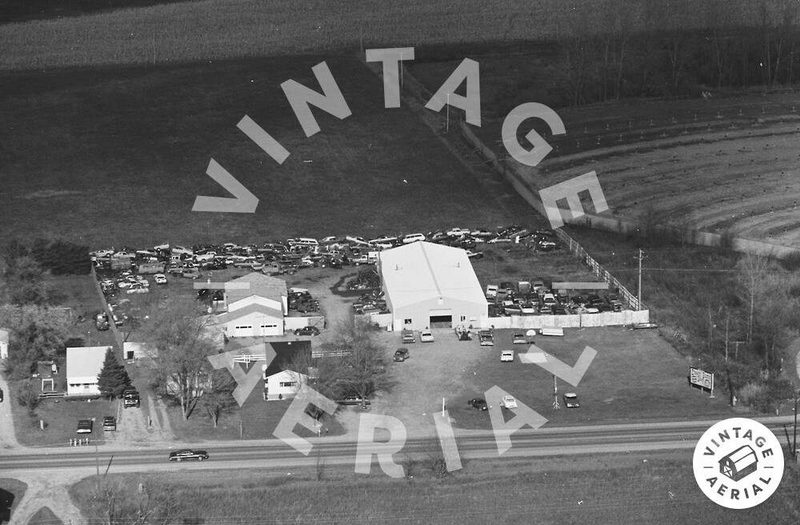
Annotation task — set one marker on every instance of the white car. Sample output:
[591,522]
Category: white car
[519,339]
[509,402]
[137,289]
[413,237]
[507,356]
[425,336]
[160,278]
[571,400]
[458,232]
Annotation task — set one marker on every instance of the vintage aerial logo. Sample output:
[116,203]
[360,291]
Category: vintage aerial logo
[738,463]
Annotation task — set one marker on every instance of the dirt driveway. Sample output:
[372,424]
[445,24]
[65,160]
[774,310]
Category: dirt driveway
[434,371]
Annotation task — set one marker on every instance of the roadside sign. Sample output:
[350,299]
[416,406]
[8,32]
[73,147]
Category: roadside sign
[701,379]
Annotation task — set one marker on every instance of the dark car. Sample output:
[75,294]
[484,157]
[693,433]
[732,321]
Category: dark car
[1,395]
[478,403]
[187,454]
[401,355]
[130,398]
[85,426]
[307,330]
[110,423]
[101,321]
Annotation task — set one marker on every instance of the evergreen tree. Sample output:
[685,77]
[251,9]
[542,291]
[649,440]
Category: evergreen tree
[113,378]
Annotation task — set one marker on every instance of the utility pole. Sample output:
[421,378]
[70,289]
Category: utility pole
[639,289]
[727,319]
[447,128]
[794,439]
[555,393]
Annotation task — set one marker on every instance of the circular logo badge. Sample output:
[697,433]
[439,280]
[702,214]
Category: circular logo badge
[738,463]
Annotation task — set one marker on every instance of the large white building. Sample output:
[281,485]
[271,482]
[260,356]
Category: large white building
[428,285]
[84,364]
[256,306]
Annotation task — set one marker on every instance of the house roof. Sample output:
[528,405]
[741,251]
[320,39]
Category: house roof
[247,310]
[422,271]
[85,361]
[255,284]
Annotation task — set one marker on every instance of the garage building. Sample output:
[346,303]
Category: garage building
[428,285]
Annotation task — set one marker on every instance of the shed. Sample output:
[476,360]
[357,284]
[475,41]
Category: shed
[4,337]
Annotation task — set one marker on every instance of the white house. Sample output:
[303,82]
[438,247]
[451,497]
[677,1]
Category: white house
[3,344]
[429,285]
[282,385]
[83,367]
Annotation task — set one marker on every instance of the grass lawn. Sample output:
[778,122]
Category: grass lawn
[61,419]
[635,376]
[257,419]
[127,150]
[11,492]
[656,488]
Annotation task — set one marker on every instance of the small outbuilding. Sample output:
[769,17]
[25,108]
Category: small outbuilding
[4,344]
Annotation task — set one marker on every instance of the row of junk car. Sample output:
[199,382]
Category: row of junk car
[282,257]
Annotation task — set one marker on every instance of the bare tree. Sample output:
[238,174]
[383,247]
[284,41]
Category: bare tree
[183,341]
[220,398]
[752,273]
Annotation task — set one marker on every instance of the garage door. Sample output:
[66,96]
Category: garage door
[441,319]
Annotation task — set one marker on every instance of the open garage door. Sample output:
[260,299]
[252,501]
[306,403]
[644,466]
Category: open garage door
[441,319]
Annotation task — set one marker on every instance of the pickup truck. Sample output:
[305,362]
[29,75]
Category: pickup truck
[486,337]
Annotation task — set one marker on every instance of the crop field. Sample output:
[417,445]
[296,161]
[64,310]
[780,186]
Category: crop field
[726,164]
[116,156]
[217,29]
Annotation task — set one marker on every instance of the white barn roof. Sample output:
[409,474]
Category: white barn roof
[422,271]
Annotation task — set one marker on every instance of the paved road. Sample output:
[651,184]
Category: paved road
[472,445]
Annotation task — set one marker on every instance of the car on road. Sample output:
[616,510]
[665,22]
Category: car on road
[509,402]
[571,400]
[519,338]
[85,426]
[507,356]
[401,355]
[110,423]
[307,330]
[478,403]
[425,336]
[188,454]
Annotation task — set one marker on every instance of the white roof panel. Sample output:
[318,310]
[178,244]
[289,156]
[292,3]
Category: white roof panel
[422,271]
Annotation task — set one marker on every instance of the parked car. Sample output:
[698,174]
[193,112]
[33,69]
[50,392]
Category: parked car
[160,278]
[187,454]
[85,426]
[425,336]
[571,400]
[519,338]
[486,337]
[407,336]
[401,354]
[507,356]
[509,402]
[130,398]
[101,321]
[307,330]
[110,423]
[491,291]
[478,403]
[1,395]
